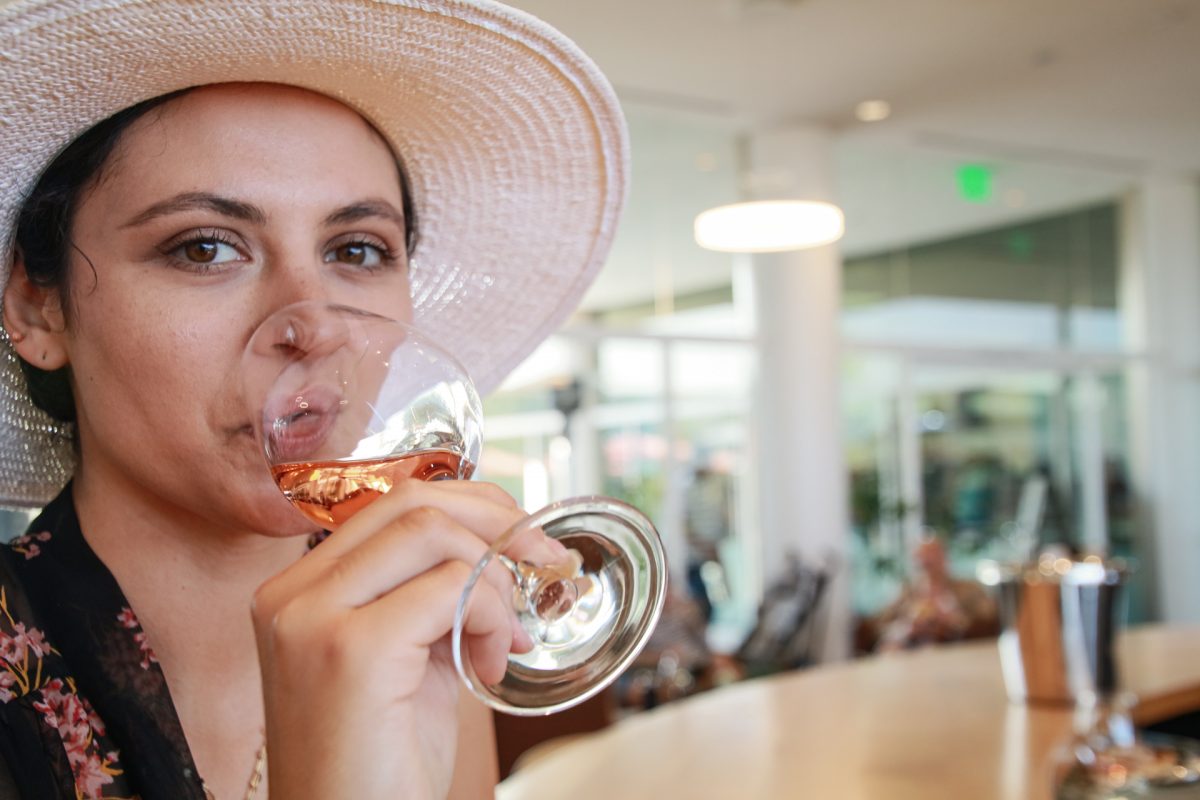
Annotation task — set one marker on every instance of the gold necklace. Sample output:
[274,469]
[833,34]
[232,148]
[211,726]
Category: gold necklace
[260,764]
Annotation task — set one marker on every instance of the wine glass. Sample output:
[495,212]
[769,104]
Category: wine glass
[344,403]
[1107,758]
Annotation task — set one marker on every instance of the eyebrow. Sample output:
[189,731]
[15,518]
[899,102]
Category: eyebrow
[200,201]
[248,212]
[364,210]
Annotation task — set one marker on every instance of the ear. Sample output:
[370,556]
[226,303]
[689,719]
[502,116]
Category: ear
[34,319]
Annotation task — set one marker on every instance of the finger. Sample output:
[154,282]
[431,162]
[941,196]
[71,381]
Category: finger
[488,657]
[493,492]
[403,549]
[421,612]
[473,507]
[479,506]
[484,509]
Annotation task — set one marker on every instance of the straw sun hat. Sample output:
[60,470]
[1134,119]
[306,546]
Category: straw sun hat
[514,142]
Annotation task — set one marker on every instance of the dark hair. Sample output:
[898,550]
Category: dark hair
[44,224]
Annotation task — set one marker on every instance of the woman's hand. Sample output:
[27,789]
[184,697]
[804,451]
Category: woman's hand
[353,641]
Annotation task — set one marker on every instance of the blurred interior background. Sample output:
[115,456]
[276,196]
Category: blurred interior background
[1002,352]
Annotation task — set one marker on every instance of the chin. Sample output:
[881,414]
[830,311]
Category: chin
[272,515]
[285,524]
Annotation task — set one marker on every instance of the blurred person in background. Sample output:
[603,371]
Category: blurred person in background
[934,606]
[708,520]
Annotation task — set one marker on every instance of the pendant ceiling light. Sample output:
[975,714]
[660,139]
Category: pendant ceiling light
[769,226]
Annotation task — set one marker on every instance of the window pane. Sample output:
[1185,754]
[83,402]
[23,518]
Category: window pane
[629,369]
[711,386]
[1048,283]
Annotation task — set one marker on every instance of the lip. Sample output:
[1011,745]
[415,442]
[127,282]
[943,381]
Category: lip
[300,424]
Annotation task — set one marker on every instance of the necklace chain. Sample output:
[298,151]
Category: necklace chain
[260,764]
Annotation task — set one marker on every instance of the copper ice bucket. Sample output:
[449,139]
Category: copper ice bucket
[1060,618]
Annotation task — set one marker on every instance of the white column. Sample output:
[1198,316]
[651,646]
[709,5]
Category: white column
[585,460]
[1089,455]
[797,300]
[1160,305]
[671,519]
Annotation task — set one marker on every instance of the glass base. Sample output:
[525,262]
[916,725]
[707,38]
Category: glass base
[1097,766]
[616,588]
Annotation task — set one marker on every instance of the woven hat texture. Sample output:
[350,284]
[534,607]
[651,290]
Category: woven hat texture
[514,141]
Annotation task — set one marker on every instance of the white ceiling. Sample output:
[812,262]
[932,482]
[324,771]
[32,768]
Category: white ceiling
[1070,99]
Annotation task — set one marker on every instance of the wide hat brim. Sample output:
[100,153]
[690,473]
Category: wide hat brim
[513,139]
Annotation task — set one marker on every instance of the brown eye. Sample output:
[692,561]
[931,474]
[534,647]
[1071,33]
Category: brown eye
[357,254]
[201,252]
[205,251]
[352,254]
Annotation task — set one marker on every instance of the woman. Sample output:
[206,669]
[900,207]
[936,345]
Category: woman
[161,628]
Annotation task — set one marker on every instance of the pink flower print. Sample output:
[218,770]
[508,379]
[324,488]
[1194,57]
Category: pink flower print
[77,726]
[15,647]
[27,546]
[148,656]
[129,620]
[91,776]
[32,639]
[54,700]
[7,682]
[21,652]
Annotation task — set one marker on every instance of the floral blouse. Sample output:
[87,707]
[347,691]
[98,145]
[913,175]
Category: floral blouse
[84,709]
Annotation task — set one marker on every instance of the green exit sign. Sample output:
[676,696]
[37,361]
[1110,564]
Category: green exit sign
[975,182]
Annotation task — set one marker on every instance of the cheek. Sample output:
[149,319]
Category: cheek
[153,366]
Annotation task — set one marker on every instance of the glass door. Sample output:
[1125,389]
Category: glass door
[995,461]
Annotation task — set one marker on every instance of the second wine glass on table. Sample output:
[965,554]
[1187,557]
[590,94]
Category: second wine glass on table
[345,403]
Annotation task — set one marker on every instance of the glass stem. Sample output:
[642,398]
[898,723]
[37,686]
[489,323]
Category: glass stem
[1107,715]
[547,593]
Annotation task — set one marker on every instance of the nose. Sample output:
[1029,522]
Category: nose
[292,284]
[309,328]
[292,277]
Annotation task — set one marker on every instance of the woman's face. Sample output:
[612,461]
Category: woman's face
[215,210]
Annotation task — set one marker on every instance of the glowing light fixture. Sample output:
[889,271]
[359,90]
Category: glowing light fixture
[873,110]
[769,226]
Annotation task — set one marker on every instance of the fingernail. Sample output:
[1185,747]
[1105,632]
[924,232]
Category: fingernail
[560,550]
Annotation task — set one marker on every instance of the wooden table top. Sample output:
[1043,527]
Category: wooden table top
[926,724]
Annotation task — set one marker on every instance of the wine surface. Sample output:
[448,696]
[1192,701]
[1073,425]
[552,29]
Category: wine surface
[330,492]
